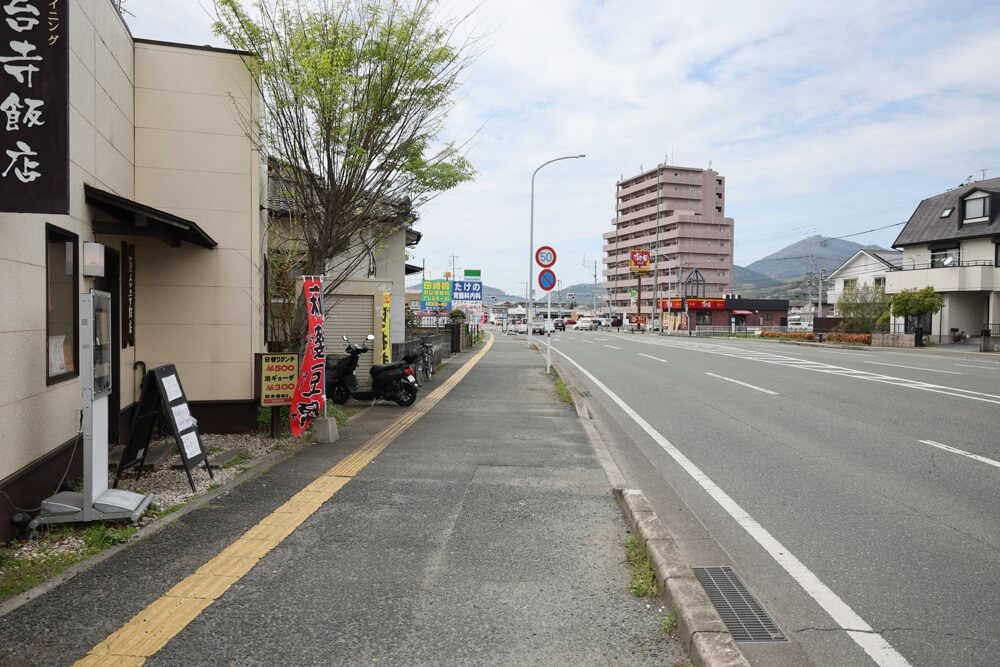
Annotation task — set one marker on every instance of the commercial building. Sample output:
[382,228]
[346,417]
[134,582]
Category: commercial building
[677,214]
[128,170]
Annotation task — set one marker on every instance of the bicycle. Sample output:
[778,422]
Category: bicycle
[426,360]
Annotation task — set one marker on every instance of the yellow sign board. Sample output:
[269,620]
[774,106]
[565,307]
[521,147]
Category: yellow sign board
[386,344]
[278,373]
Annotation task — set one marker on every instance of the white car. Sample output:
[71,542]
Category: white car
[586,324]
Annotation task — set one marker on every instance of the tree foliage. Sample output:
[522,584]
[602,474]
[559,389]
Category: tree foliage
[861,307]
[913,303]
[354,98]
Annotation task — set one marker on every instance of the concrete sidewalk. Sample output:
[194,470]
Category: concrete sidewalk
[485,533]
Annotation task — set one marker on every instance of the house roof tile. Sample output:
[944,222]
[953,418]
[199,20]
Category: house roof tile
[927,225]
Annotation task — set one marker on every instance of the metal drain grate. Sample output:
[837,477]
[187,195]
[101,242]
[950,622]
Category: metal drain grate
[585,393]
[744,617]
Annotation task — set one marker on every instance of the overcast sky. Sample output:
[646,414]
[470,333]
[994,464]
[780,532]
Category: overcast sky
[825,118]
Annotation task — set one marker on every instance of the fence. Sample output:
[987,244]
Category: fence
[439,338]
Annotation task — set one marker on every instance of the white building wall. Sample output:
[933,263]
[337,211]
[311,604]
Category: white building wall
[199,309]
[34,418]
[168,113]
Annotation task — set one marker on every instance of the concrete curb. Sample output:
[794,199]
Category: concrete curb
[699,626]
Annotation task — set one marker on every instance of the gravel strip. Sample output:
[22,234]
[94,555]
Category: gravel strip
[170,486]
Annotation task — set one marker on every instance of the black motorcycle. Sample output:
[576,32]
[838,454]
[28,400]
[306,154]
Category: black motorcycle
[390,382]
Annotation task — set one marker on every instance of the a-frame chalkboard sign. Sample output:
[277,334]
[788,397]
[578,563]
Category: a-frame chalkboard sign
[162,394]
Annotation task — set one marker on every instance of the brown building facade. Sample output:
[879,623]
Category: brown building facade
[678,214]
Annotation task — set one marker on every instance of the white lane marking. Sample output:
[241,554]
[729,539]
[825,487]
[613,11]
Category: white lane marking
[988,368]
[723,377]
[711,348]
[601,339]
[857,629]
[955,450]
[588,342]
[914,368]
[650,357]
[613,347]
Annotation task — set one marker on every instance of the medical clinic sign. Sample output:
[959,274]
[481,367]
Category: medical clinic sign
[34,106]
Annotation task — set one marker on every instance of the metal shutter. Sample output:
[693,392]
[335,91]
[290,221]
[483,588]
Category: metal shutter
[352,316]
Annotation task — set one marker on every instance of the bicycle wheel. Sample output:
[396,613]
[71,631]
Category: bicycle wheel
[427,363]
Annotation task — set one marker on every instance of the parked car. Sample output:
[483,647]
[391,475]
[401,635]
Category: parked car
[570,321]
[538,327]
[605,321]
[559,325]
[518,326]
[616,321]
[585,324]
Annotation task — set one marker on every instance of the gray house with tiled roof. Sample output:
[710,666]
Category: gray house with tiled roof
[950,243]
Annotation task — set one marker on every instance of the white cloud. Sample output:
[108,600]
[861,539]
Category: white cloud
[817,113]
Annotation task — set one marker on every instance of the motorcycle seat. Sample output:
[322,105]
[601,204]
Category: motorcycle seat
[379,368]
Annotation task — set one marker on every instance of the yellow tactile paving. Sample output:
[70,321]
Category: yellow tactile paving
[205,586]
[150,630]
[229,567]
[268,533]
[247,549]
[110,661]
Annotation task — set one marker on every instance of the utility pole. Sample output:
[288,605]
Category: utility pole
[657,313]
[592,264]
[453,258]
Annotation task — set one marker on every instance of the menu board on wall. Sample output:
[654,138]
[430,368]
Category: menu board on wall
[34,106]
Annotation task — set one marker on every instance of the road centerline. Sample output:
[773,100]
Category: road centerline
[961,452]
[649,356]
[613,347]
[745,384]
[912,368]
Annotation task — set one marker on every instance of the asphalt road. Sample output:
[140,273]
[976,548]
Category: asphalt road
[855,492]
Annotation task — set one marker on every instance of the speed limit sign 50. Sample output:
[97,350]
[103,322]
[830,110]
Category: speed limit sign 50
[545,256]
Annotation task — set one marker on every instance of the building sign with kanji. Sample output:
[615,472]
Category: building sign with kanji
[693,304]
[435,296]
[34,106]
[638,260]
[277,378]
[467,290]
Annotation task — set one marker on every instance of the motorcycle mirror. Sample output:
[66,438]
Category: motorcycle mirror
[345,338]
[371,336]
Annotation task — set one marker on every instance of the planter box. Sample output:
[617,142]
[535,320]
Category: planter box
[893,340]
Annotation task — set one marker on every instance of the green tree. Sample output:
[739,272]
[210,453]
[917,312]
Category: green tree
[861,307]
[354,97]
[911,304]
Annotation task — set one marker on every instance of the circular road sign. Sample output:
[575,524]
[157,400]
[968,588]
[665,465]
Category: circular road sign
[546,279]
[545,256]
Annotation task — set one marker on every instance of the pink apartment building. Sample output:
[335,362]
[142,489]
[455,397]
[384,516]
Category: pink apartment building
[678,214]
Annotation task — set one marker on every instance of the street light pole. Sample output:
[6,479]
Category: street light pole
[531,237]
[592,264]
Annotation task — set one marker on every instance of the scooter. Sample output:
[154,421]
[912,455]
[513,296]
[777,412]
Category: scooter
[390,382]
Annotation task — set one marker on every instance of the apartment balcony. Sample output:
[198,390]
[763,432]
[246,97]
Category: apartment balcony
[667,178]
[969,276]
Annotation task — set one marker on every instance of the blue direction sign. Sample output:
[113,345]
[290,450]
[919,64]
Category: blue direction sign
[546,279]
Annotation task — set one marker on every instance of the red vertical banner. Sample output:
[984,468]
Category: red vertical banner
[309,400]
